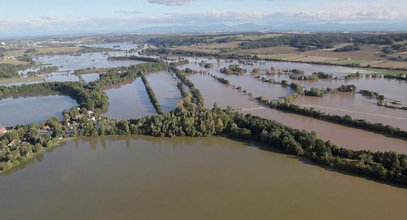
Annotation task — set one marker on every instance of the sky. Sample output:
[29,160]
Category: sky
[46,17]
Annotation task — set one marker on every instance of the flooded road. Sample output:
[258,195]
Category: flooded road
[187,178]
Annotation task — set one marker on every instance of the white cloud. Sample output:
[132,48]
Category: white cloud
[171,2]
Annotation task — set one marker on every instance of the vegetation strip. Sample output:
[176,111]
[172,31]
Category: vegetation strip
[151,95]
[344,120]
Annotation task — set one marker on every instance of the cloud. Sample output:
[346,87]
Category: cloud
[132,20]
[48,18]
[128,12]
[171,2]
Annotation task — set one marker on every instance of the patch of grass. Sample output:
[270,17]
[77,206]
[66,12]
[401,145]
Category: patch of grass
[14,62]
[15,53]
[401,42]
[57,50]
[276,56]
[20,79]
[384,72]
[347,62]
[91,70]
[258,37]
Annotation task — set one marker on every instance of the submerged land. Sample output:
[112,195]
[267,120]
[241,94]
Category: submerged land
[334,102]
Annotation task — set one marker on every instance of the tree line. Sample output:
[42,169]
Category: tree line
[151,94]
[344,120]
[189,119]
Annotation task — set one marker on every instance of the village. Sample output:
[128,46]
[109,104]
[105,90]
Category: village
[53,128]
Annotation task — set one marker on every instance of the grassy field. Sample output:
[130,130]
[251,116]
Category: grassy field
[44,50]
[347,62]
[385,72]
[19,79]
[57,50]
[14,62]
[91,70]
[276,56]
[258,37]
[15,53]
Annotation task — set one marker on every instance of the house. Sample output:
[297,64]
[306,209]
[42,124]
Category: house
[3,130]
[46,128]
[12,143]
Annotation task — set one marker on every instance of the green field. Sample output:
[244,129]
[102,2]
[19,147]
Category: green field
[347,62]
[385,72]
[20,79]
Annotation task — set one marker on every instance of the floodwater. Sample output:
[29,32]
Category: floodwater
[246,82]
[392,89]
[187,178]
[116,46]
[357,106]
[129,101]
[280,65]
[90,77]
[223,95]
[25,110]
[341,136]
[86,60]
[165,89]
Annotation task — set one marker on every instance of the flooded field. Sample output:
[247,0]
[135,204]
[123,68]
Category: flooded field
[116,46]
[129,101]
[74,62]
[392,89]
[165,89]
[25,110]
[357,106]
[222,95]
[342,136]
[247,82]
[279,65]
[187,178]
[338,134]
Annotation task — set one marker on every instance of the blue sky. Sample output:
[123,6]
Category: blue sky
[35,17]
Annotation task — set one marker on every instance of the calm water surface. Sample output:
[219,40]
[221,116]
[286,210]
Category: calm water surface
[129,101]
[25,110]
[357,106]
[165,89]
[187,178]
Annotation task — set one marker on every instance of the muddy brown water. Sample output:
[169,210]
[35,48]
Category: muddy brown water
[215,92]
[26,110]
[165,89]
[129,101]
[187,178]
[393,89]
[342,136]
[357,106]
